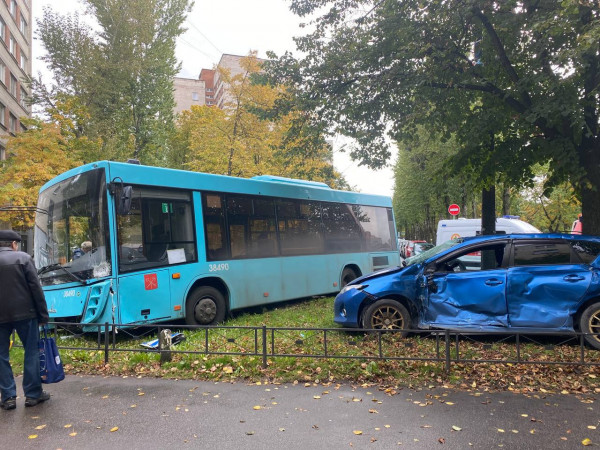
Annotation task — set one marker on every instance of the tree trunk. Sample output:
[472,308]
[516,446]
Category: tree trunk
[505,201]
[488,210]
[590,197]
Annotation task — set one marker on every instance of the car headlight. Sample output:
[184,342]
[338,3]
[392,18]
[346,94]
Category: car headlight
[346,288]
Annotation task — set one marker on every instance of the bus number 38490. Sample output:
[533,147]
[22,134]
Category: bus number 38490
[218,267]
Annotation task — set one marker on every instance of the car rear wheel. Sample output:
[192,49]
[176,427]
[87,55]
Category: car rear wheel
[590,323]
[387,314]
[205,306]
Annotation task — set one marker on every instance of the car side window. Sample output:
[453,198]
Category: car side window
[488,257]
[586,251]
[542,253]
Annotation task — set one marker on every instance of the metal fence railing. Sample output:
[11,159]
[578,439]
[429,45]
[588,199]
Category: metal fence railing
[443,347]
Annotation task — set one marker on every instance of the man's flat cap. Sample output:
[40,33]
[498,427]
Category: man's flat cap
[9,235]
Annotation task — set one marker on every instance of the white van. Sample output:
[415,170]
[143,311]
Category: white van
[454,228]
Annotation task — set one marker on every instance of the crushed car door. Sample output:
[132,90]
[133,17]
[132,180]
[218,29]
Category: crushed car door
[468,289]
[545,283]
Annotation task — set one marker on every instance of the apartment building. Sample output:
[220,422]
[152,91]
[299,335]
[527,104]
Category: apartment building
[209,89]
[15,66]
[188,92]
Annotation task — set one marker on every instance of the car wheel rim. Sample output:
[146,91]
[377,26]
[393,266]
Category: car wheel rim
[205,310]
[594,325]
[387,318]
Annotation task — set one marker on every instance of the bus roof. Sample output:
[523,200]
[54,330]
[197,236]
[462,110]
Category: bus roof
[266,185]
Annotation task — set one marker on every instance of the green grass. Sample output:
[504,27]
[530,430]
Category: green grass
[242,364]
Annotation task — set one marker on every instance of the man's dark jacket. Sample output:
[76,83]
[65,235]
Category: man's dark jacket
[21,294]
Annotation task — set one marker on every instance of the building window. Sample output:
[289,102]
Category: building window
[2,29]
[13,85]
[195,96]
[23,99]
[2,115]
[13,45]
[13,8]
[2,72]
[2,153]
[12,123]
[23,61]
[23,26]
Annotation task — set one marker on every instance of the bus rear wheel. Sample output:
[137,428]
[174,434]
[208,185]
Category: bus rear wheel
[205,306]
[348,275]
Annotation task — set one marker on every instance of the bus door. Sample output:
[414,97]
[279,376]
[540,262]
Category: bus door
[252,234]
[156,233]
[144,296]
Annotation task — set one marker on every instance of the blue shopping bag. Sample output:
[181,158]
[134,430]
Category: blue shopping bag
[51,368]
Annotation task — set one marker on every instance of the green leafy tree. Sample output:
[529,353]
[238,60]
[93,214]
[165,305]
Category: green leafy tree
[240,140]
[516,83]
[121,70]
[421,173]
[551,211]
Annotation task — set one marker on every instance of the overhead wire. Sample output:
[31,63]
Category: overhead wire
[203,35]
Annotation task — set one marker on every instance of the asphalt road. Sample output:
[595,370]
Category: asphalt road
[143,413]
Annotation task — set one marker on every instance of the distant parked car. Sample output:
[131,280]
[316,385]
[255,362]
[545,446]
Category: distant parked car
[410,248]
[420,247]
[514,282]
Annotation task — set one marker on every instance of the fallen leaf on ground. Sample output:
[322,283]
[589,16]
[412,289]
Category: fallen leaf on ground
[113,429]
[32,436]
[586,442]
[455,428]
[257,407]
[40,427]
[357,432]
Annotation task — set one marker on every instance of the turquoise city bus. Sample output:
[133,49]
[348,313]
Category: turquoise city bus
[130,244]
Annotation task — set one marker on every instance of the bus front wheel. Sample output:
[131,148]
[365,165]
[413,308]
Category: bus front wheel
[205,306]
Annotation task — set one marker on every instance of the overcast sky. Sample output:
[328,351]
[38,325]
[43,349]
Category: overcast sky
[236,27]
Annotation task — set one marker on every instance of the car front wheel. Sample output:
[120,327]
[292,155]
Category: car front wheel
[387,314]
[590,323]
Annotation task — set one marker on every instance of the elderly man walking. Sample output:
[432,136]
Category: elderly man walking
[22,308]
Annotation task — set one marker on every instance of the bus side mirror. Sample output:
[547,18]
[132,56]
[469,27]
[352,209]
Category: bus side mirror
[124,205]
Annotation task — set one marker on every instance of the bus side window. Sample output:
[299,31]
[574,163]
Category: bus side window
[214,223]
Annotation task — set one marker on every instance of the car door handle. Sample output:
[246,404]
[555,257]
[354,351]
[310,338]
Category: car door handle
[493,282]
[573,278]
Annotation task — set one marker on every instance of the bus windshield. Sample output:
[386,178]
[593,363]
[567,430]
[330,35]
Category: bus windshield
[71,230]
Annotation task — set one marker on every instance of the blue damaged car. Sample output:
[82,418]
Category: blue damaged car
[517,282]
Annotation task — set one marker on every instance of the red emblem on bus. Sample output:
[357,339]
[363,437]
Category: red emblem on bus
[150,281]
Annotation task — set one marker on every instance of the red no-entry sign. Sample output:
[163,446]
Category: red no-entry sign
[454,209]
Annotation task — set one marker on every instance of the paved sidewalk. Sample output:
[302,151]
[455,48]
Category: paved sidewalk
[144,413]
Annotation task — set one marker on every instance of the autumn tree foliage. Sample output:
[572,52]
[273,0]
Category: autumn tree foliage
[239,140]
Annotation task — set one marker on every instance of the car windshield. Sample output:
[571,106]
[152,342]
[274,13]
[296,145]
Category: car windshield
[423,246]
[432,252]
[71,230]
